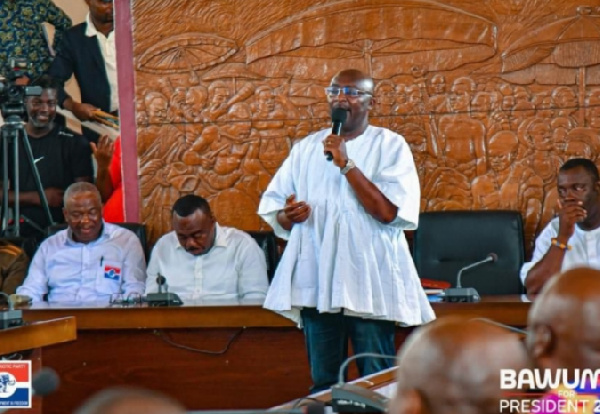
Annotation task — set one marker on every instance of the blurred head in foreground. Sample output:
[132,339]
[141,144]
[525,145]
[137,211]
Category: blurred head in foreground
[130,401]
[564,321]
[452,365]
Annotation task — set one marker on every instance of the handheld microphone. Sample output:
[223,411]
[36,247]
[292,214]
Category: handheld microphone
[350,398]
[10,318]
[160,298]
[43,383]
[312,408]
[460,294]
[338,117]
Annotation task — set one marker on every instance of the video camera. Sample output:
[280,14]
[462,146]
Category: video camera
[12,96]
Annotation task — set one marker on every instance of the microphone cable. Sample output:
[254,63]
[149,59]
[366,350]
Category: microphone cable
[345,364]
[165,337]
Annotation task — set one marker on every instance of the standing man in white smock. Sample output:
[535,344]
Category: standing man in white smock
[347,272]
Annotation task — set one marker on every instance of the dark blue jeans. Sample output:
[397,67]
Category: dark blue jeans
[326,336]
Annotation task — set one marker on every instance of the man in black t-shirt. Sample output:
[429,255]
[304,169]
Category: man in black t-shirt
[61,156]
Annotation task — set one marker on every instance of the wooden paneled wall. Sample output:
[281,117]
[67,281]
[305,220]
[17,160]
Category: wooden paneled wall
[492,95]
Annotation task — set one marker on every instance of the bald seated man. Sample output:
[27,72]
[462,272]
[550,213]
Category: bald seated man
[564,333]
[130,401]
[452,365]
[564,321]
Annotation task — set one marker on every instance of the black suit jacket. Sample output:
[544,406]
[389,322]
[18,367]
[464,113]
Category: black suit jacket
[80,55]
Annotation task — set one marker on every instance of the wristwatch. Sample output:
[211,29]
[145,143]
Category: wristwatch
[349,165]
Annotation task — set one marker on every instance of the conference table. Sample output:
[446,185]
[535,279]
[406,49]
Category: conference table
[207,354]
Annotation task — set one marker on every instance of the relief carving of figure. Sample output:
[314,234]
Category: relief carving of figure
[269,120]
[437,100]
[544,161]
[593,109]
[160,146]
[509,184]
[461,139]
[565,102]
[582,142]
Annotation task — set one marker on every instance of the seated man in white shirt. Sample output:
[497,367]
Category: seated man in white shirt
[201,260]
[89,261]
[573,238]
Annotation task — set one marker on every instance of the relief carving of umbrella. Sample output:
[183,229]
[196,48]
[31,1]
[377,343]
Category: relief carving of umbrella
[231,71]
[186,52]
[382,37]
[571,45]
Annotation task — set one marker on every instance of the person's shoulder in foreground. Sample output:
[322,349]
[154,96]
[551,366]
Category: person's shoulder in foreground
[123,400]
[452,365]
[563,338]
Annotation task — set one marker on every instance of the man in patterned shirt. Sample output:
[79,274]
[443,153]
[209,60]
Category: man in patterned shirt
[22,34]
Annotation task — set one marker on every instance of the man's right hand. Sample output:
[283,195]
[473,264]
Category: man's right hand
[83,111]
[570,213]
[293,212]
[296,212]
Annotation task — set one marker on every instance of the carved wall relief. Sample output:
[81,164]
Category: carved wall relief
[492,96]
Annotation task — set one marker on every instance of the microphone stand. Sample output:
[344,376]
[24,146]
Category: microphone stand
[350,398]
[160,298]
[461,294]
[13,132]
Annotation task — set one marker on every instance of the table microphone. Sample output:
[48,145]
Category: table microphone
[338,117]
[160,298]
[461,294]
[350,398]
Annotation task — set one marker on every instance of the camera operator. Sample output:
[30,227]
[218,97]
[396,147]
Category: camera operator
[61,156]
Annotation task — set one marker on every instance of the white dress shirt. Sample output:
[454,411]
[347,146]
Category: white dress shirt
[585,248]
[234,268]
[109,53]
[69,271]
[341,257]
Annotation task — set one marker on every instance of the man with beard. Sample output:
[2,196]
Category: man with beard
[88,52]
[61,157]
[573,238]
[202,260]
[90,261]
[346,272]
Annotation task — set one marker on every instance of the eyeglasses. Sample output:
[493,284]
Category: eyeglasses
[346,90]
[78,217]
[131,299]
